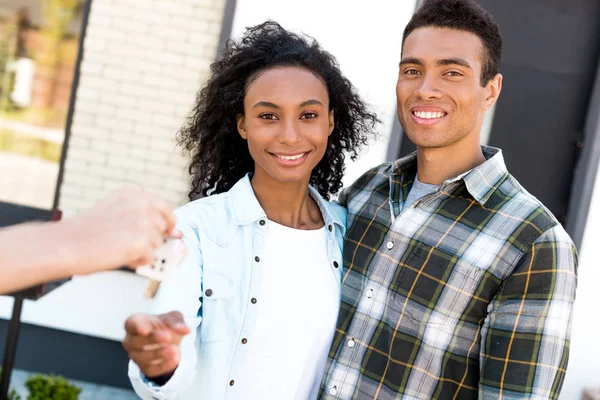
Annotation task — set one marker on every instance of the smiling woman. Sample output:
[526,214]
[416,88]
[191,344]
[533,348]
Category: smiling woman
[267,137]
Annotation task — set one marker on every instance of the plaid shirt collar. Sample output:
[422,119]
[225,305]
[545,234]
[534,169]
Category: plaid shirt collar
[481,181]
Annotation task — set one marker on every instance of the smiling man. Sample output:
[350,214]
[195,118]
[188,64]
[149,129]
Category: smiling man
[457,283]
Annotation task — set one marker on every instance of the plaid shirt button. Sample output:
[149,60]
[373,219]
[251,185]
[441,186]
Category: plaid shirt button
[369,293]
[390,245]
[333,391]
[351,343]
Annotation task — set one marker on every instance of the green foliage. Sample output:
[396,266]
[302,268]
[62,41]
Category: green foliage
[51,388]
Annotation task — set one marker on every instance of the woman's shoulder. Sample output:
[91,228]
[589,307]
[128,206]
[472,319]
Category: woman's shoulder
[210,215]
[209,204]
[337,213]
[336,209]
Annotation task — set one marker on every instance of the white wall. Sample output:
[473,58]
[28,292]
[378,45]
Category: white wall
[584,362]
[364,36]
[143,62]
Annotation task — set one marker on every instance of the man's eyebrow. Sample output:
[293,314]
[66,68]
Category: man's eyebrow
[446,61]
[412,60]
[454,61]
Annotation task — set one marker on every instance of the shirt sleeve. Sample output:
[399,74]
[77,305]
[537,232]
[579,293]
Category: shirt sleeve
[182,292]
[342,199]
[525,337]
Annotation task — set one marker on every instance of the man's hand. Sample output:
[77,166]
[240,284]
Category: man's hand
[124,229]
[152,342]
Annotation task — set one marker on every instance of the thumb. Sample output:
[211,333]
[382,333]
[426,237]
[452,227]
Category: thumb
[175,321]
[138,324]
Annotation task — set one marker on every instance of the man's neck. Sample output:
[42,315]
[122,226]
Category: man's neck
[436,165]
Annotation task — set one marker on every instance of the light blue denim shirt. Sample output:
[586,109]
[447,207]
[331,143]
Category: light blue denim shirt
[216,288]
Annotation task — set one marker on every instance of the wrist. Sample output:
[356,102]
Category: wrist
[162,380]
[68,246]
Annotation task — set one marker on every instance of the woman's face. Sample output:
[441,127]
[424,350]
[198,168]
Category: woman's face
[286,123]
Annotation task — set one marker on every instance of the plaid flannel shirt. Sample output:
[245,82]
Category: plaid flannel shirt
[465,294]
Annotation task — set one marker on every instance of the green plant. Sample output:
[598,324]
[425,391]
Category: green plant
[51,388]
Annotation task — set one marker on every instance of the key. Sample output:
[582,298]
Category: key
[167,257]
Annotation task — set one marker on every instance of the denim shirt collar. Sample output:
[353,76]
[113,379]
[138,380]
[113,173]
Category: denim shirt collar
[246,209]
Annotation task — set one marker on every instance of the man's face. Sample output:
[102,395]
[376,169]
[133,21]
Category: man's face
[440,97]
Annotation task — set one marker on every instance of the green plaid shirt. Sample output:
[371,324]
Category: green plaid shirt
[467,293]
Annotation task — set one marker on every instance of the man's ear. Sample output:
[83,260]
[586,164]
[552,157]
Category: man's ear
[493,89]
[241,126]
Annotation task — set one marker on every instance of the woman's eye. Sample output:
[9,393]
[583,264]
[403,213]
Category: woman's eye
[309,115]
[268,116]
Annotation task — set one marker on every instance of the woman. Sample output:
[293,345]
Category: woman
[260,286]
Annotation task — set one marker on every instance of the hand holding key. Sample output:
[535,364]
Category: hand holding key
[153,342]
[124,229]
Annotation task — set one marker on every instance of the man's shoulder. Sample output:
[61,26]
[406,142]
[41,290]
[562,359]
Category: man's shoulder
[519,204]
[370,180]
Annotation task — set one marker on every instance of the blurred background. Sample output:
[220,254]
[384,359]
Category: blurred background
[92,93]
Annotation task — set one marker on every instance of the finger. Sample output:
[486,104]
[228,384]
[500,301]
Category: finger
[176,234]
[152,358]
[160,225]
[157,239]
[152,341]
[165,210]
[175,321]
[147,258]
[139,325]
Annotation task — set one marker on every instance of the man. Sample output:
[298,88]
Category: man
[122,230]
[457,283]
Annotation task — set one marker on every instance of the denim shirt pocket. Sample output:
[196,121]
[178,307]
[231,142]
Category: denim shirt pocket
[217,298]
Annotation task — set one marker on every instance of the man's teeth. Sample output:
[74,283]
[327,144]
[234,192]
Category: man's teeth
[291,158]
[429,114]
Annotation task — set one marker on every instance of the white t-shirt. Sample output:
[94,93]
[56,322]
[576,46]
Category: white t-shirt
[297,315]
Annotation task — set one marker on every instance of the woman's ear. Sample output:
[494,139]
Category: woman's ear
[241,126]
[331,122]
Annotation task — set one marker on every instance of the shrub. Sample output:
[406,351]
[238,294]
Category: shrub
[51,388]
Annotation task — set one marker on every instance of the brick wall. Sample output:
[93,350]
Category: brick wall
[143,63]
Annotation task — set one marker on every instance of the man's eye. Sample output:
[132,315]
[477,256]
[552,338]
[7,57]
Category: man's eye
[411,72]
[268,116]
[453,73]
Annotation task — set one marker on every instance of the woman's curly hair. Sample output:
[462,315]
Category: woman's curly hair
[220,157]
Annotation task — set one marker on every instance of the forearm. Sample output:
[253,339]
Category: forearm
[33,253]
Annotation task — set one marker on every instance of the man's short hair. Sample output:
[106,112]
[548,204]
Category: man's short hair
[464,15]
